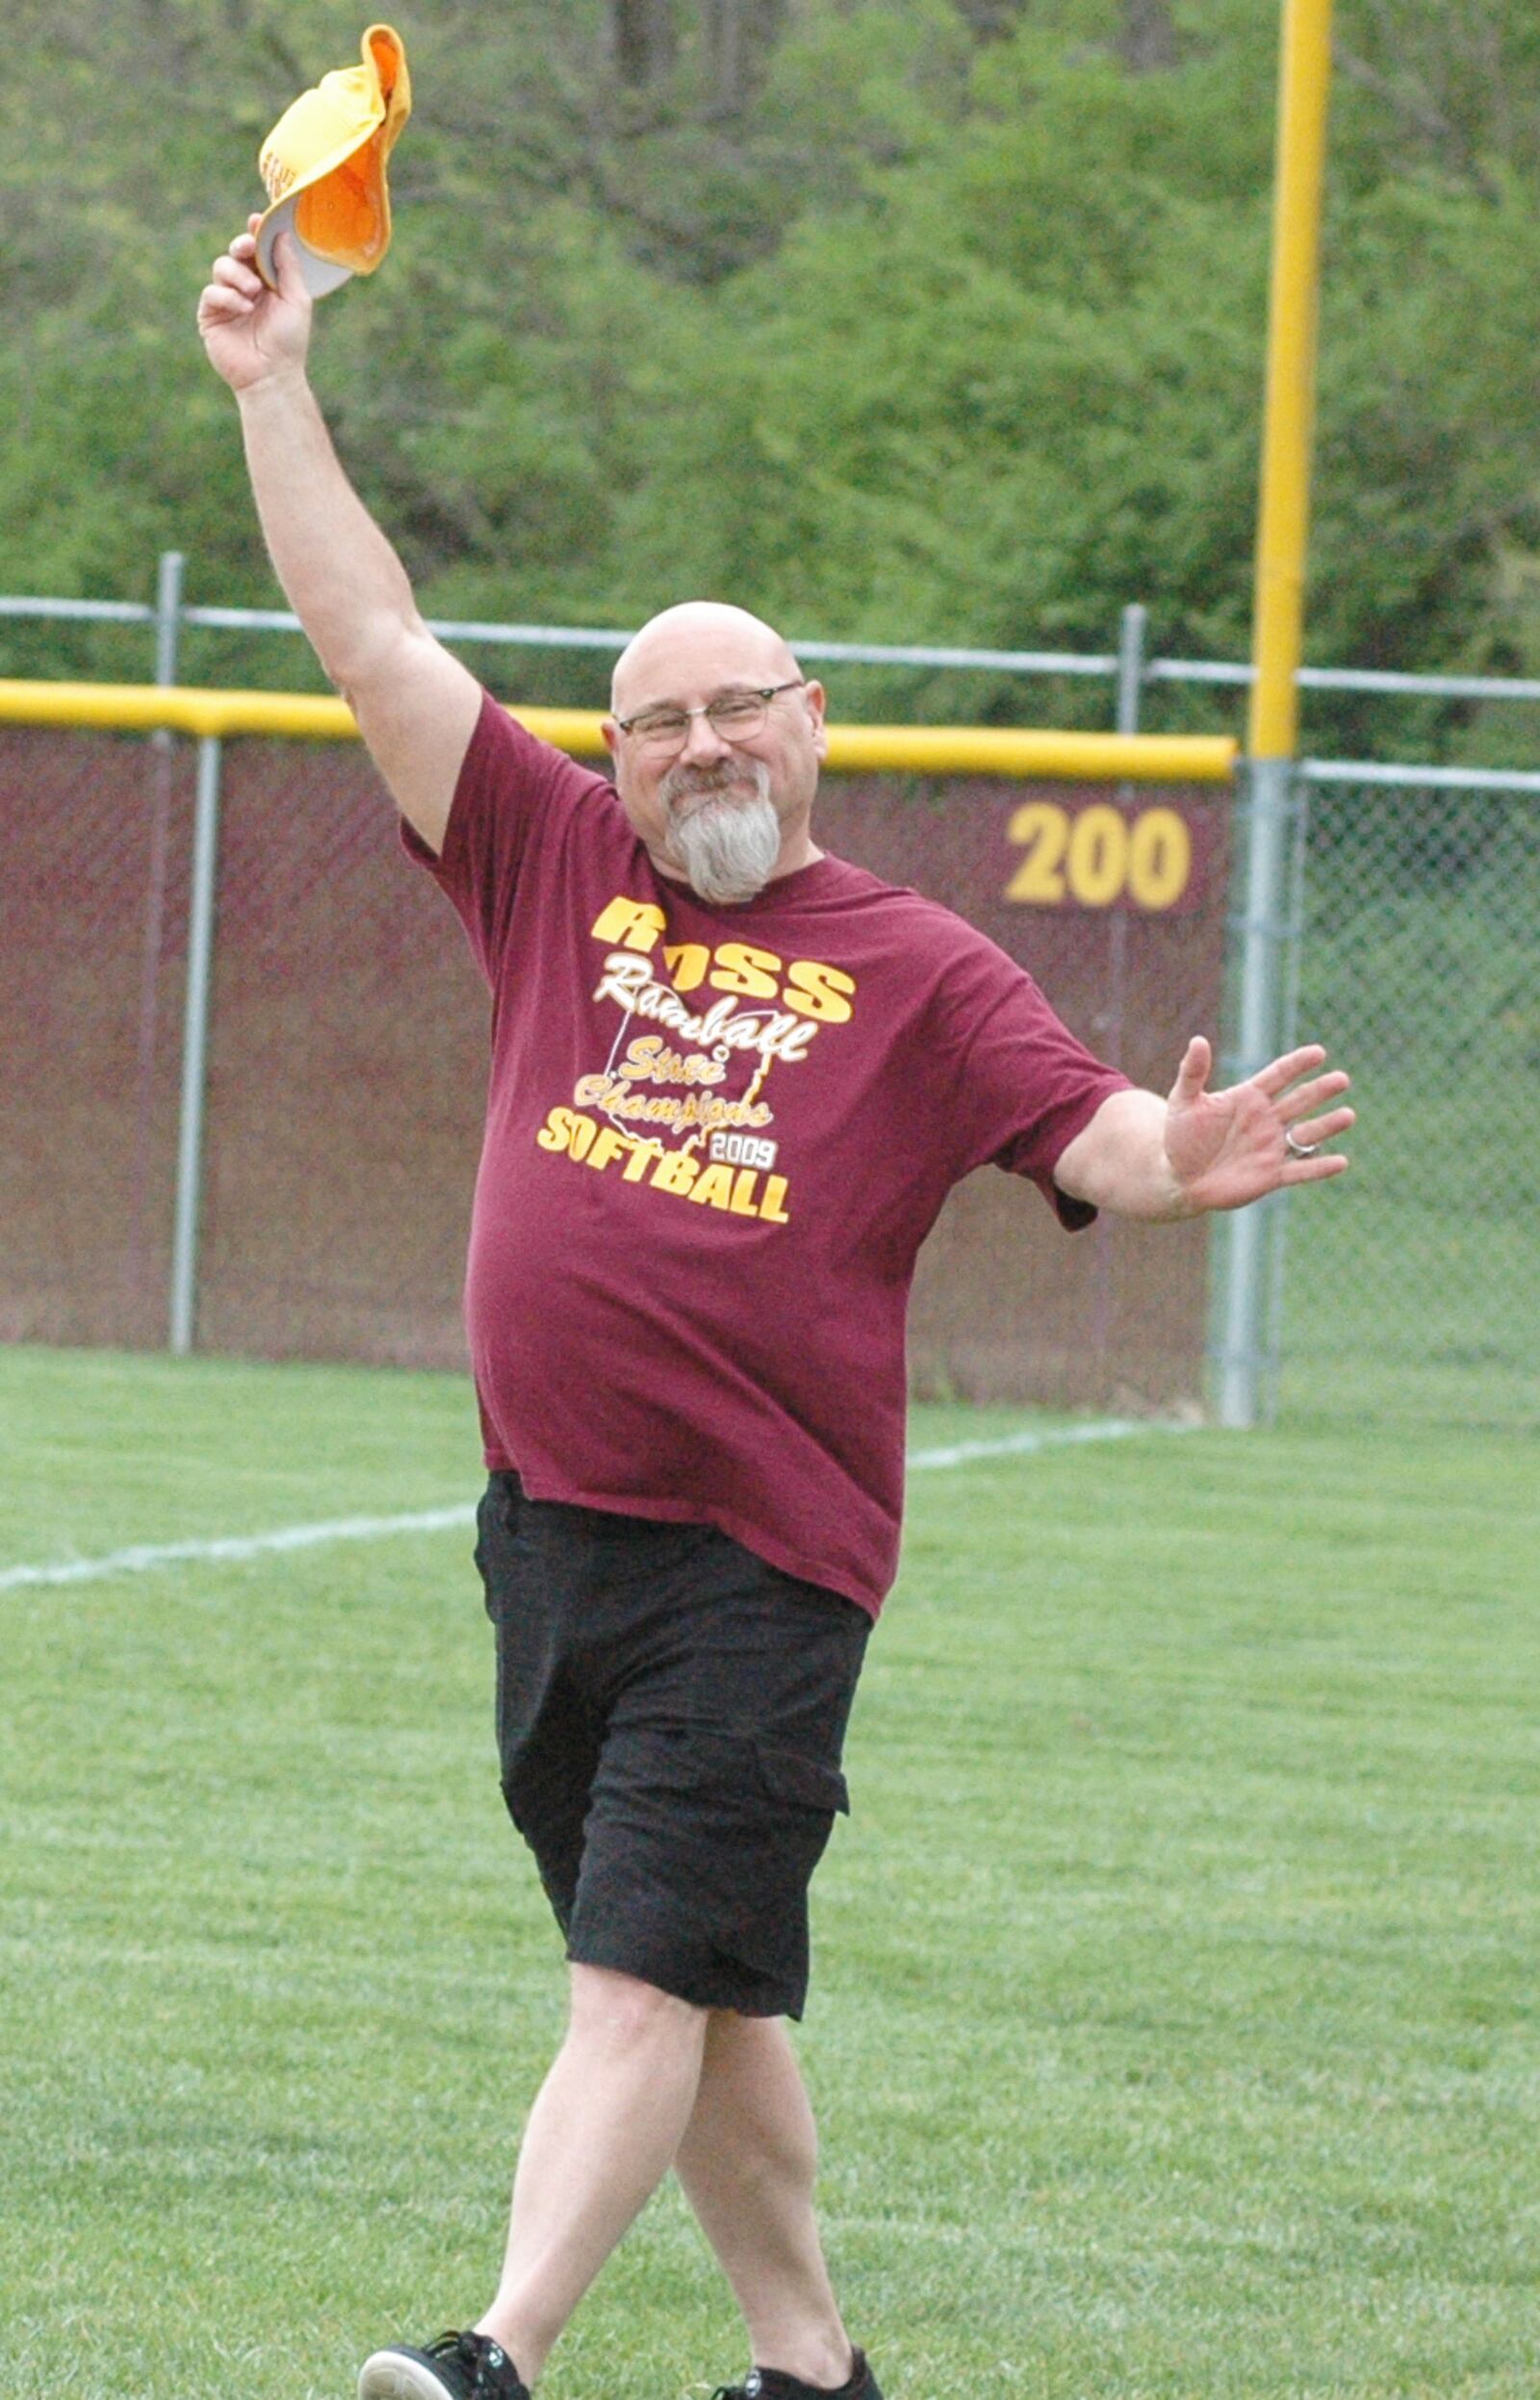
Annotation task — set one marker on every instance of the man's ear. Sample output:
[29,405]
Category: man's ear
[611,734]
[815,699]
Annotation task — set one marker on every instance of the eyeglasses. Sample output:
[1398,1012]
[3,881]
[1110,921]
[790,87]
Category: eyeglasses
[736,716]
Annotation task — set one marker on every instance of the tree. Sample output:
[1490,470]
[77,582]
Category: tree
[739,34]
[1147,40]
[989,19]
[645,40]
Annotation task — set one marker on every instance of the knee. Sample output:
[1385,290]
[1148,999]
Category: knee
[624,2013]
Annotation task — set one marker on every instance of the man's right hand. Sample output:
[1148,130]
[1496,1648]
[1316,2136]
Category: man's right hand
[417,705]
[250,332]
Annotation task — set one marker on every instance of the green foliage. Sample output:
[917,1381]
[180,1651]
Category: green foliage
[936,336]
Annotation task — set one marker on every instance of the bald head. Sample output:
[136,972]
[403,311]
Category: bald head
[727,811]
[700,642]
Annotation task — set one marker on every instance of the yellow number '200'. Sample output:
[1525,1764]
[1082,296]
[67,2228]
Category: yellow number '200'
[1097,855]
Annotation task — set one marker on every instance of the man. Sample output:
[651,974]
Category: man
[732,1082]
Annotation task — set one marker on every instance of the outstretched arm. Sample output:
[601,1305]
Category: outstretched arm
[1142,1156]
[416,706]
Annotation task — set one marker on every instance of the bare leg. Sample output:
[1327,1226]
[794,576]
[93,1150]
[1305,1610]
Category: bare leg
[600,2137]
[747,2163]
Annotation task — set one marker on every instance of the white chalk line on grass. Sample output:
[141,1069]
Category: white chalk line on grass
[1051,1437]
[146,1557]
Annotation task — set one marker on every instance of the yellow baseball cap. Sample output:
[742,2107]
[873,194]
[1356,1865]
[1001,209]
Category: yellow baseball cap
[324,165]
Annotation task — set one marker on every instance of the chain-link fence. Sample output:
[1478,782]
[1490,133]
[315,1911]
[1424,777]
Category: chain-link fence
[346,1058]
[93,909]
[1412,1285]
[330,1094]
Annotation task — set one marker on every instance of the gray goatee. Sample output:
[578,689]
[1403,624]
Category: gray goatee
[726,837]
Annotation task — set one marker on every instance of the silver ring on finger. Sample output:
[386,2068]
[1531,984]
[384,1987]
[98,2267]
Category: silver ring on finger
[1300,1149]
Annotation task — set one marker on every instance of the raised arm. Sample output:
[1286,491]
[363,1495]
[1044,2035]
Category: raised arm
[1142,1156]
[416,706]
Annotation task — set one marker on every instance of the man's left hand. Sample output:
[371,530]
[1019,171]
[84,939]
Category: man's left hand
[1224,1148]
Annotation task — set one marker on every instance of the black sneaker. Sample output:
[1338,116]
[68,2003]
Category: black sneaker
[457,2366]
[767,2382]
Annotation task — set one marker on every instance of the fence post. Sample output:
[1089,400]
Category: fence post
[168,615]
[1131,638]
[162,750]
[1264,877]
[196,1050]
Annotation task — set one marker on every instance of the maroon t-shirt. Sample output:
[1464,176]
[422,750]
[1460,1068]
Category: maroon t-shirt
[716,1138]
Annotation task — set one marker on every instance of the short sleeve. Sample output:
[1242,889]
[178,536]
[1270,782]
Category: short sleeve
[1024,1085]
[513,793]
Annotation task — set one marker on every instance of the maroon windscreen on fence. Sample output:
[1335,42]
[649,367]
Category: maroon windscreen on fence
[93,903]
[1114,899]
[347,1060]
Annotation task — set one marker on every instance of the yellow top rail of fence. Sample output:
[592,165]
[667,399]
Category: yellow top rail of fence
[853,749]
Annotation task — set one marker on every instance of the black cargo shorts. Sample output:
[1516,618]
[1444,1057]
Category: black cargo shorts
[671,1714]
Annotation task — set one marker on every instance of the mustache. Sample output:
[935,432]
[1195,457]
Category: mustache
[691,782]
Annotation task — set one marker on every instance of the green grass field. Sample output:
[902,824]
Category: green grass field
[1174,2017]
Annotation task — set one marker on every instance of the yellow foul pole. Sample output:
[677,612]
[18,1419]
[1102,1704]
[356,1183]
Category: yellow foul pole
[1304,80]
[1289,408]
